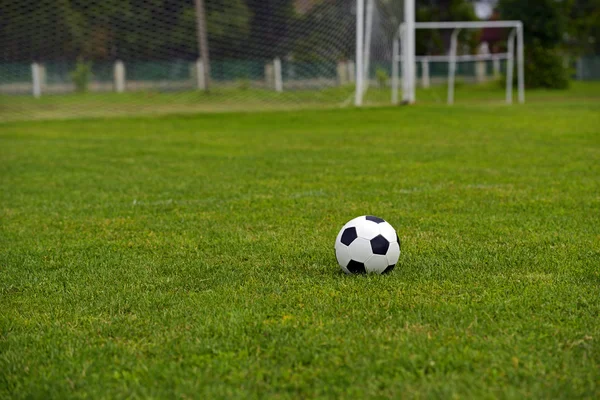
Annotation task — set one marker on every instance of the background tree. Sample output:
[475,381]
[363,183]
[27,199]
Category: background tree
[438,41]
[545,25]
[105,30]
[270,27]
[583,27]
[56,30]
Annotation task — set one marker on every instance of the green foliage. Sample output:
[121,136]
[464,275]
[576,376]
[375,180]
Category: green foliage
[544,20]
[127,29]
[583,27]
[191,256]
[545,69]
[228,24]
[437,41]
[544,27]
[81,75]
[273,22]
[382,77]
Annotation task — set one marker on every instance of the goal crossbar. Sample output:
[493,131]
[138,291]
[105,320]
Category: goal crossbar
[467,24]
[465,57]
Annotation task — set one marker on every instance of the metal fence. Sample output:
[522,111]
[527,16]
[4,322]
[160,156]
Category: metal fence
[177,75]
[588,68]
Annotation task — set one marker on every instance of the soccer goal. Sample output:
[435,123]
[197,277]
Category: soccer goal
[407,58]
[405,62]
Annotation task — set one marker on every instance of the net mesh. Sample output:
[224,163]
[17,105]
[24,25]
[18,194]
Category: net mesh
[63,58]
[102,57]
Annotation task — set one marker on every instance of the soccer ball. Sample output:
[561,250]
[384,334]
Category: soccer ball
[367,244]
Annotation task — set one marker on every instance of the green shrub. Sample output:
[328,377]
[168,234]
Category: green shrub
[544,68]
[81,76]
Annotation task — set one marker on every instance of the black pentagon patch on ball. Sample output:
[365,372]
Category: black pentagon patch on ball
[389,269]
[377,220]
[380,245]
[348,236]
[356,267]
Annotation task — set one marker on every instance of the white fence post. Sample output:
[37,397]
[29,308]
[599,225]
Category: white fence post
[496,65]
[367,48]
[278,76]
[395,61]
[481,66]
[342,73]
[408,49]
[200,81]
[119,75]
[360,42]
[452,66]
[425,79]
[480,71]
[351,71]
[510,66]
[521,64]
[36,72]
[269,75]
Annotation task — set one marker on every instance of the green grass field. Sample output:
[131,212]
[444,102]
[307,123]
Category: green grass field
[191,256]
[219,100]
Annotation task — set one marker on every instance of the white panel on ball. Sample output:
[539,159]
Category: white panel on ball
[343,257]
[393,253]
[360,250]
[376,263]
[388,232]
[367,229]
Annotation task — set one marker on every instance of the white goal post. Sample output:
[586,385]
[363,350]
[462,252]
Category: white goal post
[364,32]
[404,41]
